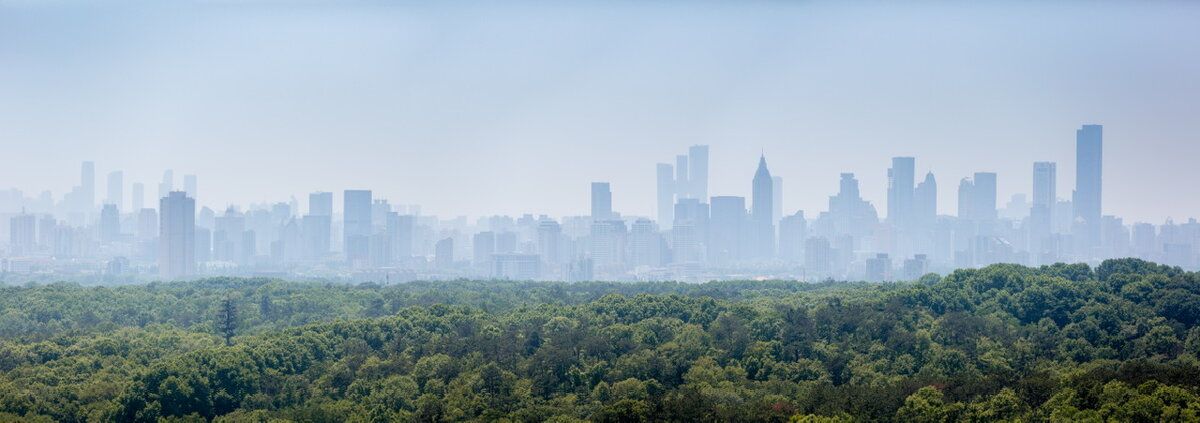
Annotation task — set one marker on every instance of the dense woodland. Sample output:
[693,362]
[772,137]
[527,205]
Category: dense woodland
[1058,343]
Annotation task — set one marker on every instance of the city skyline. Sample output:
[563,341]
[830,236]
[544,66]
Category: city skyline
[502,103]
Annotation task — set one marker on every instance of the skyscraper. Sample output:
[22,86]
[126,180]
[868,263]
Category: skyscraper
[726,227]
[601,201]
[110,223]
[317,225]
[189,185]
[356,220]
[925,200]
[984,195]
[177,235]
[901,177]
[1089,163]
[666,193]
[22,234]
[698,171]
[761,212]
[116,189]
[168,183]
[682,190]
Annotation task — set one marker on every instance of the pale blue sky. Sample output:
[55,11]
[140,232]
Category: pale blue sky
[472,108]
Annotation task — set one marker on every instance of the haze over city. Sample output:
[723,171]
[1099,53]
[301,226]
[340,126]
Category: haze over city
[476,109]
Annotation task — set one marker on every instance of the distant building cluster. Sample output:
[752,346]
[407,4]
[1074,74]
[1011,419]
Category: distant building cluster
[693,236]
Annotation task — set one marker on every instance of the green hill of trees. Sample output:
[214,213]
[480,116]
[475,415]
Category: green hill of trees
[1003,343]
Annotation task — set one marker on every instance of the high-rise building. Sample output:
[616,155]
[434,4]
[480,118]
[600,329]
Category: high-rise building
[645,244]
[1089,165]
[601,201]
[110,223]
[761,212]
[483,245]
[901,177]
[320,204]
[189,185]
[22,233]
[443,253]
[168,183]
[793,231]
[726,229]
[698,171]
[177,240]
[550,239]
[356,220]
[317,225]
[666,193]
[925,200]
[116,190]
[1041,212]
[985,195]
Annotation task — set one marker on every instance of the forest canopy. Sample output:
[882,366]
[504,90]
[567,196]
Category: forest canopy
[1001,343]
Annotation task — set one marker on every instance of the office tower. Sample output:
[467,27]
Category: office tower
[320,204]
[916,267]
[116,189]
[966,199]
[682,189]
[849,213]
[690,233]
[666,194]
[87,182]
[443,253]
[793,231]
[601,201]
[110,223]
[760,213]
[356,221]
[1144,240]
[203,244]
[726,227]
[22,234]
[47,226]
[901,177]
[698,171]
[189,185]
[549,242]
[483,245]
[406,226]
[608,245]
[137,196]
[148,225]
[925,201]
[1089,164]
[229,236]
[776,198]
[168,183]
[984,195]
[177,241]
[818,256]
[645,244]
[1041,212]
[506,242]
[879,268]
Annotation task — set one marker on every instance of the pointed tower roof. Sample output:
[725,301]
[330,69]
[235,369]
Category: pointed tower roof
[762,171]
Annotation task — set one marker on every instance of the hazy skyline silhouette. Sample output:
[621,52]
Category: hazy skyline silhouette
[479,109]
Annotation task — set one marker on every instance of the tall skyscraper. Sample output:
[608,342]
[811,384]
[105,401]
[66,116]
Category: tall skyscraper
[177,236]
[698,171]
[22,233]
[601,201]
[985,195]
[1044,184]
[116,189]
[666,193]
[925,200]
[110,223]
[726,229]
[317,225]
[1089,165]
[356,220]
[901,177]
[1041,212]
[168,183]
[682,189]
[761,212]
[189,185]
